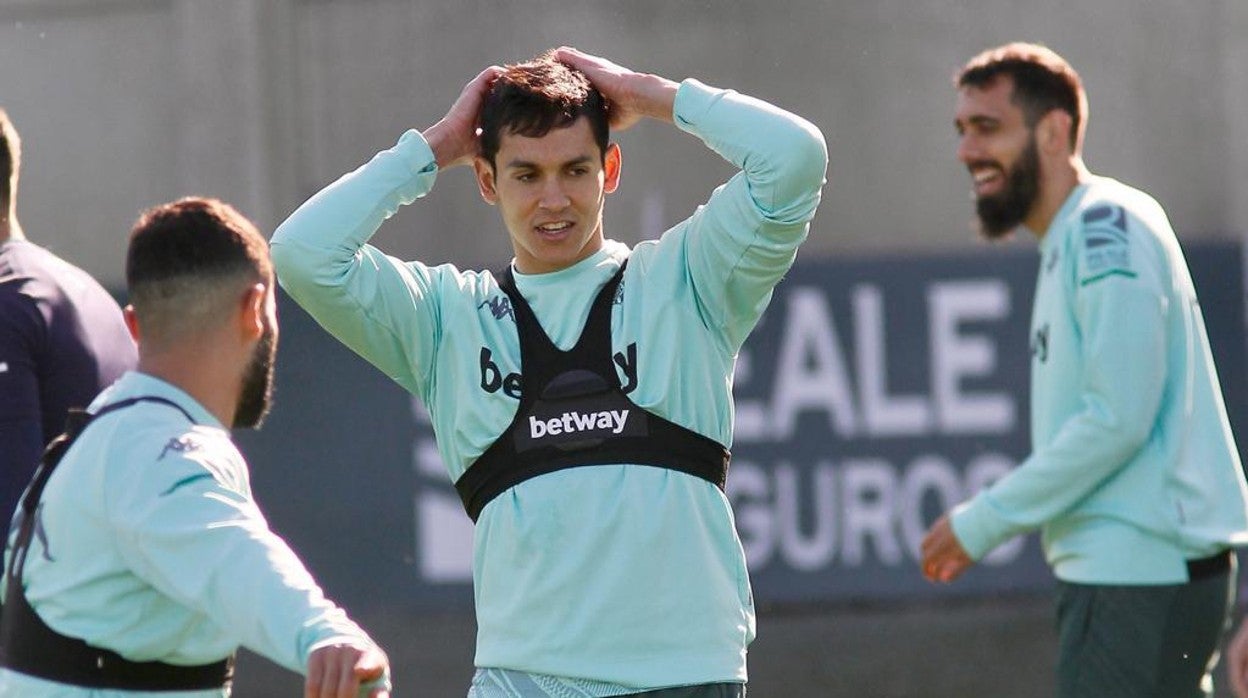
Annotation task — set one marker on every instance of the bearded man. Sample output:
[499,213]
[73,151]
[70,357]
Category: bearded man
[140,561]
[1134,480]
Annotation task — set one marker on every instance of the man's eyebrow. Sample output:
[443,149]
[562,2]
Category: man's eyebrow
[979,120]
[518,164]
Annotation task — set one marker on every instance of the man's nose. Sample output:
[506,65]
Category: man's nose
[554,197]
[969,149]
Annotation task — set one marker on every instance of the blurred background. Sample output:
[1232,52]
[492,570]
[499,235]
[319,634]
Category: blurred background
[886,382]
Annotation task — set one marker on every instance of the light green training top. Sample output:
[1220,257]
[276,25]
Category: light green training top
[624,574]
[1134,468]
[149,543]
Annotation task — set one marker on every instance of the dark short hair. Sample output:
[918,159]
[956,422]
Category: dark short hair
[10,158]
[1043,81]
[532,98]
[183,251]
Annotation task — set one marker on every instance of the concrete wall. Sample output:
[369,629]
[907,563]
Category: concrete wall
[127,103]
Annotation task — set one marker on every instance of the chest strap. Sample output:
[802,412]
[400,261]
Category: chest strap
[573,412]
[30,646]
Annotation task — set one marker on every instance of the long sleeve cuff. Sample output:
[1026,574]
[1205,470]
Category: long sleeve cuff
[978,526]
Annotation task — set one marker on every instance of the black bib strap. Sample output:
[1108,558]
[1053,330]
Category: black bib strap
[573,413]
[30,646]
[668,446]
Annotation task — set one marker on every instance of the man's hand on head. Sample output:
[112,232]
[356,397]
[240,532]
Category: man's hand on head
[454,138]
[631,95]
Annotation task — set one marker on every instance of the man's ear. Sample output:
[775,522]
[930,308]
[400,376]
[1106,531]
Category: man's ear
[252,307]
[485,179]
[611,164]
[132,322]
[1054,132]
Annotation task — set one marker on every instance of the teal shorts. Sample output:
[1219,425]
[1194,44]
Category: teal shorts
[506,683]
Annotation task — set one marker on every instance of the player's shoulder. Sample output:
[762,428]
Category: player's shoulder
[1114,230]
[157,442]
[1111,204]
[452,283]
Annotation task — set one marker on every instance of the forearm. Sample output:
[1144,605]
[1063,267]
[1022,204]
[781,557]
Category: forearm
[323,235]
[1119,375]
[653,97]
[1047,484]
[783,156]
[208,548]
[743,241]
[369,301]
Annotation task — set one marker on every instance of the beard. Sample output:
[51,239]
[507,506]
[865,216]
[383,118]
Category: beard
[257,393]
[1000,213]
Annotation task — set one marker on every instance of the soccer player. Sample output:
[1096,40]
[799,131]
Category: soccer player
[581,397]
[62,338]
[1134,479]
[140,561]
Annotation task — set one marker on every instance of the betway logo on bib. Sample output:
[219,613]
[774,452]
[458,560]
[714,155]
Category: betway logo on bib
[578,410]
[578,422]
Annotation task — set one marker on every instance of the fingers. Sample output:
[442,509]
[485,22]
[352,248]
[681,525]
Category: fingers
[328,687]
[486,77]
[942,557]
[453,139]
[338,671]
[571,56]
[473,94]
[370,666]
[316,672]
[600,71]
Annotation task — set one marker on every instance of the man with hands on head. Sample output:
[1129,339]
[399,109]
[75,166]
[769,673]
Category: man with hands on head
[581,397]
[1134,480]
[139,560]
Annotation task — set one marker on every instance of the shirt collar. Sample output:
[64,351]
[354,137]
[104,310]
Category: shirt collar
[136,384]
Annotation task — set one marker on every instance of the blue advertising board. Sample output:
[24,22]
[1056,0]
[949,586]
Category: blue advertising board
[875,394]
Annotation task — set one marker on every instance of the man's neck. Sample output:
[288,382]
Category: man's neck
[1054,190]
[197,375]
[10,228]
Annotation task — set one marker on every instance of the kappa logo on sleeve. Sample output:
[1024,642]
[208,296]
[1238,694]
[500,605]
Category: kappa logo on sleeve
[1106,244]
[180,444]
[500,307]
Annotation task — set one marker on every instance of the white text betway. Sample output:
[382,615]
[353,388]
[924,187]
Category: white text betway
[572,422]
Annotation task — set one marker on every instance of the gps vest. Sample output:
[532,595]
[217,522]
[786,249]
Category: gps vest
[573,412]
[29,646]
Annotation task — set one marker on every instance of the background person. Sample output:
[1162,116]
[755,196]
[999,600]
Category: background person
[146,562]
[603,565]
[62,337]
[1135,480]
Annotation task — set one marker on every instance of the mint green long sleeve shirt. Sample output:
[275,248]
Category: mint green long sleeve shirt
[1134,468]
[151,545]
[623,574]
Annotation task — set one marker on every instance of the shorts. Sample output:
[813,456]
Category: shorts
[1144,640]
[505,683]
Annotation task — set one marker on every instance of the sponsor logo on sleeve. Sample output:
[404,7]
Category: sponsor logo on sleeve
[500,307]
[180,444]
[1106,244]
